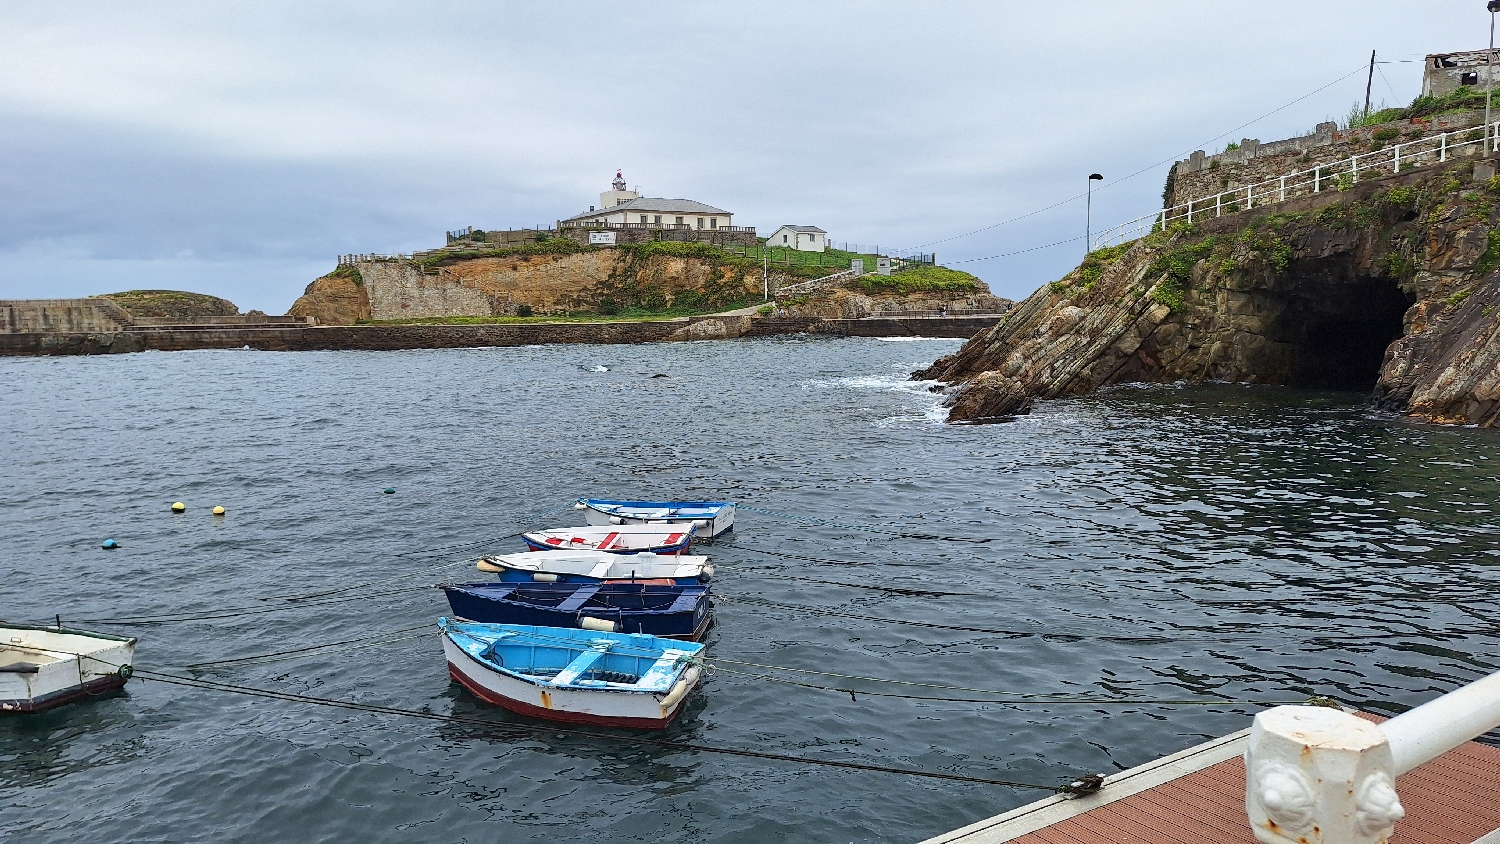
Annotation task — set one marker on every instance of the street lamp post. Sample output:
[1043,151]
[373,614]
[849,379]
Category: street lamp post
[1088,211]
[1489,76]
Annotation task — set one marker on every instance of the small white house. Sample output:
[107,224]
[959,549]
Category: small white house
[801,238]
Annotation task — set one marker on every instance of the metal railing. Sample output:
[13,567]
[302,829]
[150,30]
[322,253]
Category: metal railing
[1319,773]
[1339,175]
[579,224]
[351,260]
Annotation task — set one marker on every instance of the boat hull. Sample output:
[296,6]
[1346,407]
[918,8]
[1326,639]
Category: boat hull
[42,668]
[709,518]
[638,710]
[688,616]
[667,541]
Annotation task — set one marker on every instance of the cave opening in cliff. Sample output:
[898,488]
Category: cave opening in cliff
[1341,323]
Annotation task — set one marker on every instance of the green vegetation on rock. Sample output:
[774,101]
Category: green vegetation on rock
[172,304]
[919,280]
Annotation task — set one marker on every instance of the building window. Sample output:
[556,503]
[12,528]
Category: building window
[700,222]
[783,238]
[1469,78]
[713,222]
[643,219]
[679,221]
[658,219]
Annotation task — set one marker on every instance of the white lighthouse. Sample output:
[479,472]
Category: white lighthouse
[619,194]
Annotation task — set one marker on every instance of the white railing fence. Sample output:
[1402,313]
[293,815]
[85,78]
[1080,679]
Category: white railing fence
[1335,175]
[1316,773]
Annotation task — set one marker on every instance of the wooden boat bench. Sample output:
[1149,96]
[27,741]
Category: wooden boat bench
[575,601]
[583,662]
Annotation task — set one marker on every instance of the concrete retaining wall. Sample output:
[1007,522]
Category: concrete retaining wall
[390,337]
[18,316]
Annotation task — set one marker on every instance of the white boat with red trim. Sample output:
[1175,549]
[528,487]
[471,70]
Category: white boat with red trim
[46,667]
[596,566]
[616,539]
[580,676]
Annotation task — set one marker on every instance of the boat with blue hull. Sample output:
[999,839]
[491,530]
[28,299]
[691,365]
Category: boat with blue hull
[578,676]
[708,518]
[595,566]
[658,609]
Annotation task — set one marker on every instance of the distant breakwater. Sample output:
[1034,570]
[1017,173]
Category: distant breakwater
[392,337]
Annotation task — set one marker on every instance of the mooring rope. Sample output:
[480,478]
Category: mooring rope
[1064,636]
[870,528]
[898,590]
[1080,786]
[1015,701]
[388,638]
[214,616]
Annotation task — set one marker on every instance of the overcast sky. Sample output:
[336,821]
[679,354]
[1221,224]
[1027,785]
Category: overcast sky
[237,148]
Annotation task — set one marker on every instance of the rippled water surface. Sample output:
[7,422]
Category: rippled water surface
[1227,543]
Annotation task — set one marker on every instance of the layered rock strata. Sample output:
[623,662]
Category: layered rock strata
[1389,287]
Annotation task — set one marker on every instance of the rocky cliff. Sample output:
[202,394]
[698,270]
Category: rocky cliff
[1389,287]
[542,279]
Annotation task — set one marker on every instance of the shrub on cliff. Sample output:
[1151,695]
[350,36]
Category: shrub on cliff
[920,280]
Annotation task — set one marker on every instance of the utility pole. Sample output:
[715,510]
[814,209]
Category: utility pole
[1088,213]
[1369,80]
[1489,76]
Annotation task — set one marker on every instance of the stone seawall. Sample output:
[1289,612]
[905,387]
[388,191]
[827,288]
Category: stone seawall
[391,337]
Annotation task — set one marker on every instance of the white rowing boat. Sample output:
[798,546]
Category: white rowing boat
[45,667]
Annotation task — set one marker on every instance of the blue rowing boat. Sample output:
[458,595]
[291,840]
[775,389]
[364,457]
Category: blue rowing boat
[671,610]
[579,676]
[708,518]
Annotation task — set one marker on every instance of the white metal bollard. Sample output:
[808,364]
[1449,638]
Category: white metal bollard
[1317,774]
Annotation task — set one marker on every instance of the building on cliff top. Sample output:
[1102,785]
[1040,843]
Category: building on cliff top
[800,238]
[621,208]
[1447,72]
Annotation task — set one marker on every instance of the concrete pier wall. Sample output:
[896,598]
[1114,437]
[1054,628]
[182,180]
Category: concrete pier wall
[390,337]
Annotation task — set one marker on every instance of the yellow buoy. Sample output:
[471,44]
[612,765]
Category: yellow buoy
[218,511]
[178,507]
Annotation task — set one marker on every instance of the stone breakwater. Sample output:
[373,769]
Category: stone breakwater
[391,337]
[1391,287]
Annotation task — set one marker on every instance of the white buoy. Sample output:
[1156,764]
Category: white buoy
[600,624]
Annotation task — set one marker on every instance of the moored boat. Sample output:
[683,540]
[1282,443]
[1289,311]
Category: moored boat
[595,566]
[616,539]
[46,667]
[710,518]
[580,676]
[657,609]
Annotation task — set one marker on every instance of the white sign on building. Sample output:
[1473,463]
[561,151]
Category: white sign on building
[602,238]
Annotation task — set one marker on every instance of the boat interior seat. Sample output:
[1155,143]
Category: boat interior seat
[686,601]
[661,672]
[583,662]
[575,601]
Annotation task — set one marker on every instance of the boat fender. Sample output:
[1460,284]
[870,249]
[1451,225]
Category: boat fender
[486,565]
[544,577]
[600,624]
[700,523]
[125,672]
[616,520]
[678,692]
[706,574]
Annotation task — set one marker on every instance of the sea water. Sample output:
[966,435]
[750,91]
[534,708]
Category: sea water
[1216,543]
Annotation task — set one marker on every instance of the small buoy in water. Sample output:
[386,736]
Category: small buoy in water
[178,507]
[390,490]
[218,511]
[109,545]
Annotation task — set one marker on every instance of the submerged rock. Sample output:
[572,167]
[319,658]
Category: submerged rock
[1389,287]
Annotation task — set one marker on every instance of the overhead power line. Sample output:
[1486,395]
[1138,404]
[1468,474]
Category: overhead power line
[1145,169]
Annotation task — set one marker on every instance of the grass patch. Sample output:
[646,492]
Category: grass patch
[919,280]
[1175,267]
